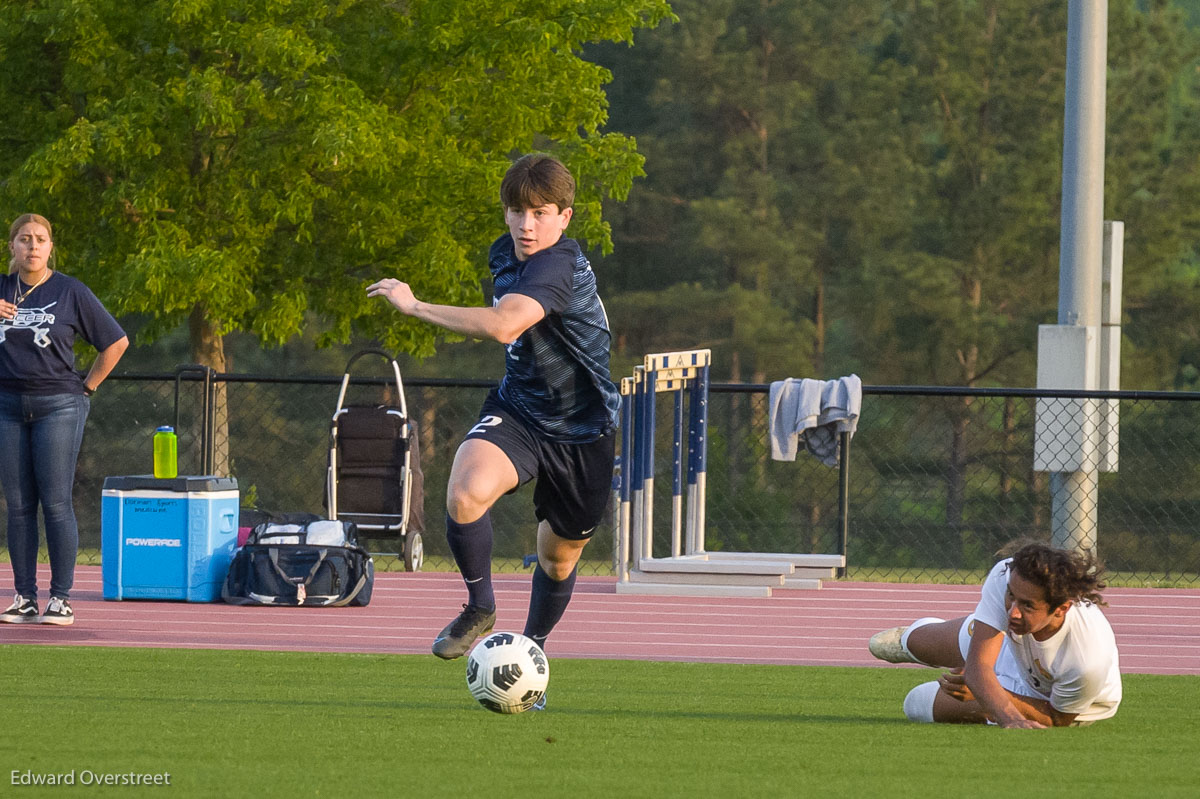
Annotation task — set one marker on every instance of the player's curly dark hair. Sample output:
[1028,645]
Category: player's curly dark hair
[1061,573]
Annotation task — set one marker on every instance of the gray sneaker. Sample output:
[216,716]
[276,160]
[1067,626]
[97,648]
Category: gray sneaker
[886,646]
[58,611]
[23,610]
[456,637]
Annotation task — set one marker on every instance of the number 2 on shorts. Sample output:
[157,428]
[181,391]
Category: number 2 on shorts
[484,424]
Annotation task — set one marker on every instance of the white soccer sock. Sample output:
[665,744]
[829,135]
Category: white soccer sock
[918,623]
[918,705]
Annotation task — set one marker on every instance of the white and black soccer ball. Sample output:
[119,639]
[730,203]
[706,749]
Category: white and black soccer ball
[507,672]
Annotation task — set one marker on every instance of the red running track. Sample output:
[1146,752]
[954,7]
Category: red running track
[1158,630]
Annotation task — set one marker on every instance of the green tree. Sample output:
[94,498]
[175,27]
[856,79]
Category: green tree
[888,176]
[759,162]
[761,171]
[957,300]
[1151,182]
[251,165]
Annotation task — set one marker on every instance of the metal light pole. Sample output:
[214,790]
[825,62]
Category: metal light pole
[1068,353]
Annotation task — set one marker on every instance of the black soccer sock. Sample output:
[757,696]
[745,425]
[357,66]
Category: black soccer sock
[548,600]
[471,545]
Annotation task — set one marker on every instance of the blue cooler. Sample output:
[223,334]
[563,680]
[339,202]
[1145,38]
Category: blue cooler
[167,538]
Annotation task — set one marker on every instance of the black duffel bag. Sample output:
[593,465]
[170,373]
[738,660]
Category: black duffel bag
[311,563]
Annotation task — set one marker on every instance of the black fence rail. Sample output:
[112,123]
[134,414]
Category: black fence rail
[937,481]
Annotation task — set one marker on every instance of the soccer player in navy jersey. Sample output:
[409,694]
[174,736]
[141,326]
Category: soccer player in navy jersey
[552,418]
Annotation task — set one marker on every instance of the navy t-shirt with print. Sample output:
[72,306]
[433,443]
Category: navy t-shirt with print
[37,348]
[556,374]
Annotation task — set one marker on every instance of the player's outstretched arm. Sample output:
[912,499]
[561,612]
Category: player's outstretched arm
[980,676]
[966,708]
[504,322]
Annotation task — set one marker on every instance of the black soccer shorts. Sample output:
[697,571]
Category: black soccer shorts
[574,481]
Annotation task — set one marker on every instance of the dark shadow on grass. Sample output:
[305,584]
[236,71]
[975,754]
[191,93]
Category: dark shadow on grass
[398,704]
[696,715]
[103,700]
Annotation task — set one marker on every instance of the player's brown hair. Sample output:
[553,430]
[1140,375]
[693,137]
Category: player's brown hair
[535,180]
[1061,573]
[20,222]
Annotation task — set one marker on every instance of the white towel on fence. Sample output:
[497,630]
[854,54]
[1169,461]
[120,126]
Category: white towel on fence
[815,411]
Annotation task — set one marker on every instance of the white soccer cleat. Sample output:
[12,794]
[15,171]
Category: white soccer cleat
[886,646]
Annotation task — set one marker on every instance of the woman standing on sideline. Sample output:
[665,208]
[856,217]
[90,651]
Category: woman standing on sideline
[43,407]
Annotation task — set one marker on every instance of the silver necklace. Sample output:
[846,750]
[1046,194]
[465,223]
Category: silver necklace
[19,296]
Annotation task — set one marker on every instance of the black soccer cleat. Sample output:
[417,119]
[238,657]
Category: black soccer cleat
[456,637]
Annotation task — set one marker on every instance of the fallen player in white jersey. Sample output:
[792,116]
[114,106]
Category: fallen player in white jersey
[1037,652]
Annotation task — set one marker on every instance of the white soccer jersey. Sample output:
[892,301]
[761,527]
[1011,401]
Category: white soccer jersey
[1076,669]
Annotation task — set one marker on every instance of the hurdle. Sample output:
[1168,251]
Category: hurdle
[688,569]
[684,372]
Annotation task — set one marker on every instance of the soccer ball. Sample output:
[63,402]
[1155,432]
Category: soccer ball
[507,672]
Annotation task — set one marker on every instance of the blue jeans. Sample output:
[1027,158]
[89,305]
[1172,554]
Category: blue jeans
[39,444]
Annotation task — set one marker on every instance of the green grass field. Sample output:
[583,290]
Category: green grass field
[255,724]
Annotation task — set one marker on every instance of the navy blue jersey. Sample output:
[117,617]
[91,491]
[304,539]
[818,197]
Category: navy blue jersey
[556,374]
[37,348]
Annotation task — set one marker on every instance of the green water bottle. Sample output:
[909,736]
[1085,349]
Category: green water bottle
[166,461]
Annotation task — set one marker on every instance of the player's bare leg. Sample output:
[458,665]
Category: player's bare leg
[936,644]
[481,474]
[948,710]
[930,702]
[558,556]
[928,641]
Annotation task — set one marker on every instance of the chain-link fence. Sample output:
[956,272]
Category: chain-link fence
[939,479]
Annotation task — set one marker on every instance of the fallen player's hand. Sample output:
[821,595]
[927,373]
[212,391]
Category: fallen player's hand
[955,684]
[1023,724]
